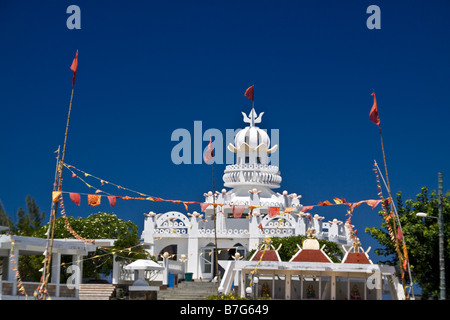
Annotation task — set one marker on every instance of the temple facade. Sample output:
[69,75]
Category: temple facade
[248,212]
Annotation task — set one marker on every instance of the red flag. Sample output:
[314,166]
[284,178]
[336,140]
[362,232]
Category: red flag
[112,201]
[204,205]
[373,116]
[74,67]
[399,234]
[249,92]
[306,208]
[75,197]
[238,211]
[274,211]
[209,153]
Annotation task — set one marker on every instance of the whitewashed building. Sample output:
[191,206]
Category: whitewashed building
[246,213]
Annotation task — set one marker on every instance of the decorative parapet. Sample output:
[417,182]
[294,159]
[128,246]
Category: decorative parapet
[252,174]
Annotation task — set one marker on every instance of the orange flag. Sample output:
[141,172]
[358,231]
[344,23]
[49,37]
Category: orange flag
[74,68]
[94,200]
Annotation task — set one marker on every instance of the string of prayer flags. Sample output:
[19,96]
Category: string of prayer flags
[13,262]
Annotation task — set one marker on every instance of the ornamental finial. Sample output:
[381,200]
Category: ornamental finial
[252,118]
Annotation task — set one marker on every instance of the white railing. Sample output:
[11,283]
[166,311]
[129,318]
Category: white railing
[252,173]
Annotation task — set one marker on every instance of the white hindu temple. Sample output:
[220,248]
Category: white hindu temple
[246,214]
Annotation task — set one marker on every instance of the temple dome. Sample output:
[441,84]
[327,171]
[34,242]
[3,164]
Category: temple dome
[252,138]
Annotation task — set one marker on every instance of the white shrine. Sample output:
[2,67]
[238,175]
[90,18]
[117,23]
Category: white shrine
[243,217]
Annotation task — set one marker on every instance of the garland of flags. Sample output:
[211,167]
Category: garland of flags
[94,199]
[15,268]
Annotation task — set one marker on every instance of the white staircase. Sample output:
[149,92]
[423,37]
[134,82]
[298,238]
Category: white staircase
[96,291]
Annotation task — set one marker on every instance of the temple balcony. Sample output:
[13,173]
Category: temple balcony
[237,175]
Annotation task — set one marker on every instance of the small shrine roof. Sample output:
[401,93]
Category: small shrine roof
[269,255]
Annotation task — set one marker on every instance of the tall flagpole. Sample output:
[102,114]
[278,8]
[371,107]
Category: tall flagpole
[216,253]
[59,187]
[394,229]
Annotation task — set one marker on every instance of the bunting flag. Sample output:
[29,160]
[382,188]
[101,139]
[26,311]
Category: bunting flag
[373,115]
[249,93]
[289,209]
[325,203]
[274,211]
[55,195]
[75,197]
[95,199]
[15,267]
[74,68]
[306,208]
[203,206]
[238,211]
[112,201]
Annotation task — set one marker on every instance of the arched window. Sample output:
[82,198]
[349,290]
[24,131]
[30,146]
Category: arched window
[171,249]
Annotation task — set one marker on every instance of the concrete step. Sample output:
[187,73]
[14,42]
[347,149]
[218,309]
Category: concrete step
[96,291]
[188,290]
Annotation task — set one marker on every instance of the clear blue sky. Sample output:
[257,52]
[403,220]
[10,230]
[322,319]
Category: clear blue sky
[146,69]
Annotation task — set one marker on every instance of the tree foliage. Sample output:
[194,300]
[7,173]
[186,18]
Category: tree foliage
[102,226]
[421,237]
[96,226]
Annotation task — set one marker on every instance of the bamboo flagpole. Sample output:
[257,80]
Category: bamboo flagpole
[48,258]
[375,118]
[208,156]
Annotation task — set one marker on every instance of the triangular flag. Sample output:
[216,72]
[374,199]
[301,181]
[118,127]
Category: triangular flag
[203,206]
[55,195]
[74,68]
[306,208]
[112,201]
[249,93]
[75,197]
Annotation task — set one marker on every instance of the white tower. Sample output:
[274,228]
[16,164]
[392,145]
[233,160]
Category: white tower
[251,173]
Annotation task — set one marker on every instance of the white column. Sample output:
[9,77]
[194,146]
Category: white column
[253,233]
[333,287]
[116,271]
[56,271]
[192,252]
[11,272]
[77,260]
[287,287]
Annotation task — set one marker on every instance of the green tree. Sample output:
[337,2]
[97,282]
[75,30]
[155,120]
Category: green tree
[421,238]
[28,221]
[5,219]
[101,226]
